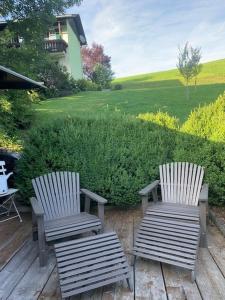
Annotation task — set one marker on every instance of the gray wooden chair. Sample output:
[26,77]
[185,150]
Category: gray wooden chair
[172,229]
[56,209]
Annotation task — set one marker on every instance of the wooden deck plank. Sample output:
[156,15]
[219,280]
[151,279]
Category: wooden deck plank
[17,268]
[34,280]
[29,281]
[209,279]
[12,236]
[51,290]
[149,283]
[216,246]
[178,284]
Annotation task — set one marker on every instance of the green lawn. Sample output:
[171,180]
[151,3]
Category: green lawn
[152,92]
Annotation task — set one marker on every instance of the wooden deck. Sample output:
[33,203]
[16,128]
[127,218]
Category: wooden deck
[22,279]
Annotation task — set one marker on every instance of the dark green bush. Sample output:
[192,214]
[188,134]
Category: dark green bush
[115,156]
[202,141]
[87,85]
[117,87]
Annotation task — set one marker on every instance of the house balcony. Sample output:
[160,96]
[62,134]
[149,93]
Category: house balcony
[55,46]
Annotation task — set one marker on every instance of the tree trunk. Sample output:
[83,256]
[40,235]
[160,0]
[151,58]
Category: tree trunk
[187,90]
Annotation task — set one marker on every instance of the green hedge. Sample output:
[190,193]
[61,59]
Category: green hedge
[115,156]
[202,140]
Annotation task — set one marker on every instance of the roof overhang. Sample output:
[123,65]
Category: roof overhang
[12,80]
[76,25]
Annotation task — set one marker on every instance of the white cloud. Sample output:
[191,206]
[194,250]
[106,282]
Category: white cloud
[143,36]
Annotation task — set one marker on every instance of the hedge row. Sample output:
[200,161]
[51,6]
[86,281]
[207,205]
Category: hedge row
[114,156]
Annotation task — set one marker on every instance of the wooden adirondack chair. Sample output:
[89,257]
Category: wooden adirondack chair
[56,209]
[171,229]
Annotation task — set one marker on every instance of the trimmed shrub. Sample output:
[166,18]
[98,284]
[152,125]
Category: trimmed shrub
[160,118]
[202,141]
[87,85]
[115,156]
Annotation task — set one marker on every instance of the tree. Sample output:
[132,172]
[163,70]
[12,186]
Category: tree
[92,56]
[102,75]
[189,64]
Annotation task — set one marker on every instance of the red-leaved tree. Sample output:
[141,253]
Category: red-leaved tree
[92,56]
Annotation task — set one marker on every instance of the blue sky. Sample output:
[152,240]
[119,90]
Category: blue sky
[143,36]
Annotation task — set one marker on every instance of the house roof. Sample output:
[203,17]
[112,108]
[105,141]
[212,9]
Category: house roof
[76,24]
[12,80]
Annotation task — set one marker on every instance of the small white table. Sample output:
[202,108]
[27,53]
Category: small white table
[7,204]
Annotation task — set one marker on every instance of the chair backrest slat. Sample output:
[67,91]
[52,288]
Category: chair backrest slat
[181,182]
[58,193]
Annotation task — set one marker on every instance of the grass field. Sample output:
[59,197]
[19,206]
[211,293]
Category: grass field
[164,91]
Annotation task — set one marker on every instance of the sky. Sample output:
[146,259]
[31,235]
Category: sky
[143,36]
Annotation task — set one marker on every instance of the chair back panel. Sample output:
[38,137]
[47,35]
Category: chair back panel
[181,182]
[58,193]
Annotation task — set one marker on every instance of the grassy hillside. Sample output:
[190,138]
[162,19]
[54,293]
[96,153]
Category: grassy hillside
[151,92]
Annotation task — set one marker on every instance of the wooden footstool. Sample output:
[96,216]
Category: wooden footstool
[88,263]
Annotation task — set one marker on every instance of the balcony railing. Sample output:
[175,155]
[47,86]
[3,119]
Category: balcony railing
[55,46]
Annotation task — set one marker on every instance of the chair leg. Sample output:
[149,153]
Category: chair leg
[193,276]
[41,243]
[203,238]
[130,284]
[34,227]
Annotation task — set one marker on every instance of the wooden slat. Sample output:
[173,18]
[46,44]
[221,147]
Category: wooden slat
[181,182]
[157,222]
[78,191]
[162,236]
[73,271]
[174,216]
[164,248]
[171,229]
[60,193]
[90,249]
[92,277]
[73,227]
[94,286]
[75,231]
[106,255]
[98,238]
[174,210]
[150,238]
[160,243]
[187,224]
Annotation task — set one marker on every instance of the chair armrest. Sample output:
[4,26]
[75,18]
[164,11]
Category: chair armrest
[94,196]
[204,193]
[37,209]
[146,190]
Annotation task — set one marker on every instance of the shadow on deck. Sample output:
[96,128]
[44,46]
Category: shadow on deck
[22,279]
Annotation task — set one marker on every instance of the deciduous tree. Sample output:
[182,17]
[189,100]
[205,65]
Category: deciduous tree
[92,56]
[189,64]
